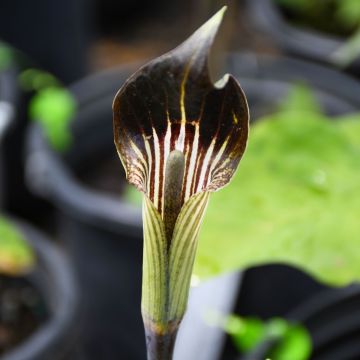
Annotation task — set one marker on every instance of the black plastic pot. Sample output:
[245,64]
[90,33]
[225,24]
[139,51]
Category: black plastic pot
[268,291]
[16,197]
[332,318]
[56,339]
[267,79]
[263,291]
[103,232]
[7,112]
[311,45]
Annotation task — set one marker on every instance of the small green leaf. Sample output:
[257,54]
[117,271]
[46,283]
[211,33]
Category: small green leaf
[53,108]
[293,342]
[36,79]
[296,344]
[16,256]
[246,333]
[277,328]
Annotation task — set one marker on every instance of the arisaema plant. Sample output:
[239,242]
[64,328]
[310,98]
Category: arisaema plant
[16,256]
[179,137]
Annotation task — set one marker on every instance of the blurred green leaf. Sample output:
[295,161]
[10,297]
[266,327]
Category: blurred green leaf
[296,344]
[293,200]
[348,52]
[300,99]
[293,341]
[16,256]
[6,56]
[132,195]
[246,333]
[341,17]
[277,328]
[53,108]
[348,11]
[36,79]
[350,127]
[296,5]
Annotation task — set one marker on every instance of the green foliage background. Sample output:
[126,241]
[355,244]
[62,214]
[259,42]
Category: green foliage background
[295,197]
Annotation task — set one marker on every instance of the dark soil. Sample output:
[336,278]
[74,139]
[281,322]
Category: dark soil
[22,311]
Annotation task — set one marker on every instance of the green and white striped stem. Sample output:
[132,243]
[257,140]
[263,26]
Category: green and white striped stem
[169,252]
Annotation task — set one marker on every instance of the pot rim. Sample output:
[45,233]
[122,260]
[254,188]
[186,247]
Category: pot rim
[309,43]
[329,332]
[324,300]
[8,99]
[55,281]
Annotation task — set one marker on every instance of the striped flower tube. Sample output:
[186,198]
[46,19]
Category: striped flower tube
[179,138]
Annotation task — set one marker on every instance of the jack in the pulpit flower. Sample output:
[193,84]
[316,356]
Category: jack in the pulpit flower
[179,137]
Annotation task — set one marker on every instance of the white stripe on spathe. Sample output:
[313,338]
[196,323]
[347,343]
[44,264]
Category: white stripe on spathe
[193,156]
[157,169]
[205,164]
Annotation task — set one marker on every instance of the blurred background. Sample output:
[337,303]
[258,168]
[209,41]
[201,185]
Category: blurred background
[278,259]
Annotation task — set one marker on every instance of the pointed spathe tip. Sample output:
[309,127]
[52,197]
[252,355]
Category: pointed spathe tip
[217,17]
[197,46]
[212,25]
[222,11]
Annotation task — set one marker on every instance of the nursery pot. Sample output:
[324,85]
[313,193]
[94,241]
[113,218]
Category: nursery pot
[7,110]
[102,231]
[308,44]
[266,292]
[103,234]
[332,318]
[267,79]
[52,277]
[16,197]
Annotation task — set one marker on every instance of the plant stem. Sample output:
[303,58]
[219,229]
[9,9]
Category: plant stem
[160,346]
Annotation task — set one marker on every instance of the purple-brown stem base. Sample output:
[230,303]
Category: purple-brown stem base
[160,346]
